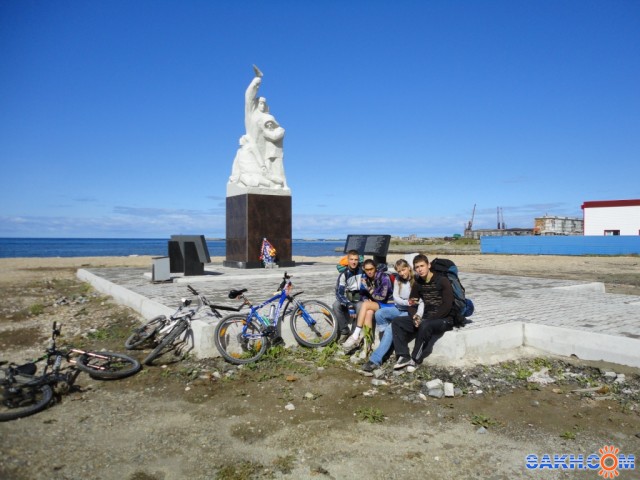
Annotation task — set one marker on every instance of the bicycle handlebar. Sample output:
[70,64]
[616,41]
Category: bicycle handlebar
[192,290]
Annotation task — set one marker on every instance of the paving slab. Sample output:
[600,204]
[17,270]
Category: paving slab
[563,317]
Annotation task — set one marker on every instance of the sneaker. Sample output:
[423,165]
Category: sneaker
[412,366]
[369,366]
[351,344]
[343,338]
[402,362]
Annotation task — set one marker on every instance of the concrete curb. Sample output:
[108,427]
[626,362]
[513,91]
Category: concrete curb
[141,304]
[482,342]
[494,343]
[584,345]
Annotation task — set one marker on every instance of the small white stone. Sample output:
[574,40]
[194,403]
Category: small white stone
[431,384]
[289,406]
[436,392]
[448,389]
[541,377]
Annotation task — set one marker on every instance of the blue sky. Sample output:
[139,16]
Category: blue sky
[121,118]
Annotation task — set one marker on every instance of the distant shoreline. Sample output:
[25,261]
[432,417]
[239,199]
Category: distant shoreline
[122,247]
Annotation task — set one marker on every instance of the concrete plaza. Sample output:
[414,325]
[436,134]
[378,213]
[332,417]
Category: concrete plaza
[514,315]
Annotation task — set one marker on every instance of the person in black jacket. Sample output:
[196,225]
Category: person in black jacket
[432,317]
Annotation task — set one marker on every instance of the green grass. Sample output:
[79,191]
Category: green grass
[370,414]
[244,470]
[284,464]
[483,421]
[36,309]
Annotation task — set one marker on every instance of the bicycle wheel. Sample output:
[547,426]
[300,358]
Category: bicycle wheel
[107,365]
[146,332]
[167,342]
[236,347]
[313,324]
[17,401]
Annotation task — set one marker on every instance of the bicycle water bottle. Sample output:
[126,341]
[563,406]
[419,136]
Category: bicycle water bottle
[272,313]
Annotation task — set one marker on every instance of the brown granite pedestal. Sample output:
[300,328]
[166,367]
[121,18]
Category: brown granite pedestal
[252,217]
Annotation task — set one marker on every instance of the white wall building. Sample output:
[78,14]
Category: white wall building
[553,225]
[611,217]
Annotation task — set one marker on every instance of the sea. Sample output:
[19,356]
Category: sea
[123,247]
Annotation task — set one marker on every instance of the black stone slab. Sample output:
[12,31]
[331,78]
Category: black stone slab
[251,218]
[376,245]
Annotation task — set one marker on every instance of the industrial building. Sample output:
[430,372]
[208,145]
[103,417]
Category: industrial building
[611,217]
[553,225]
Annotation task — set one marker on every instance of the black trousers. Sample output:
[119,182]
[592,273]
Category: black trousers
[404,331]
[343,317]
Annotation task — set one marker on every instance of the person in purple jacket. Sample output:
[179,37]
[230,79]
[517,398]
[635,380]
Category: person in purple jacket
[375,289]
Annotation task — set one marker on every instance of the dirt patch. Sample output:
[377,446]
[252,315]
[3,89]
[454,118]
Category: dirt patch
[297,413]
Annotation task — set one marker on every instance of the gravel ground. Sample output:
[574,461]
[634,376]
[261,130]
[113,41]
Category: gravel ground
[302,413]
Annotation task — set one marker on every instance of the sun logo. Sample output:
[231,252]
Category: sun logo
[608,461]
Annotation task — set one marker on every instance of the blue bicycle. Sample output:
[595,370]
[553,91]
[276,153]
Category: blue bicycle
[244,338]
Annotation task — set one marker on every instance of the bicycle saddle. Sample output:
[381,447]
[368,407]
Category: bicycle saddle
[26,369]
[236,293]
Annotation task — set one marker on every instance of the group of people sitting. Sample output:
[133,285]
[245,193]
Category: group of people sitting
[417,305]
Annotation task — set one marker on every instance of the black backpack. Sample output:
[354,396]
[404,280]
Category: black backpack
[462,306]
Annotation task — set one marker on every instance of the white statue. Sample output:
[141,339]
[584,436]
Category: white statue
[258,162]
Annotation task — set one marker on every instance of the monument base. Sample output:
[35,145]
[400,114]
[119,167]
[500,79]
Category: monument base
[233,264]
[252,218]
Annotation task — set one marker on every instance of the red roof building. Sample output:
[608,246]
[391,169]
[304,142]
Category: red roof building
[611,217]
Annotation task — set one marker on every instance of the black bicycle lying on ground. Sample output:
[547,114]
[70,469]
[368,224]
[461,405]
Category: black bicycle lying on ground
[24,393]
[162,332]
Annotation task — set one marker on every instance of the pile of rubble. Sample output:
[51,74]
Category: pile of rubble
[438,382]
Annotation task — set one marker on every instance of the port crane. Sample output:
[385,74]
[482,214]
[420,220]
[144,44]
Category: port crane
[473,214]
[501,224]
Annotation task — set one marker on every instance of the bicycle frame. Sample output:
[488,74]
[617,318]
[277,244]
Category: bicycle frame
[26,374]
[178,316]
[182,312]
[54,355]
[244,338]
[270,326]
[264,320]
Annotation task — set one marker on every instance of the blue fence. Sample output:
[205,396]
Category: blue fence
[561,245]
